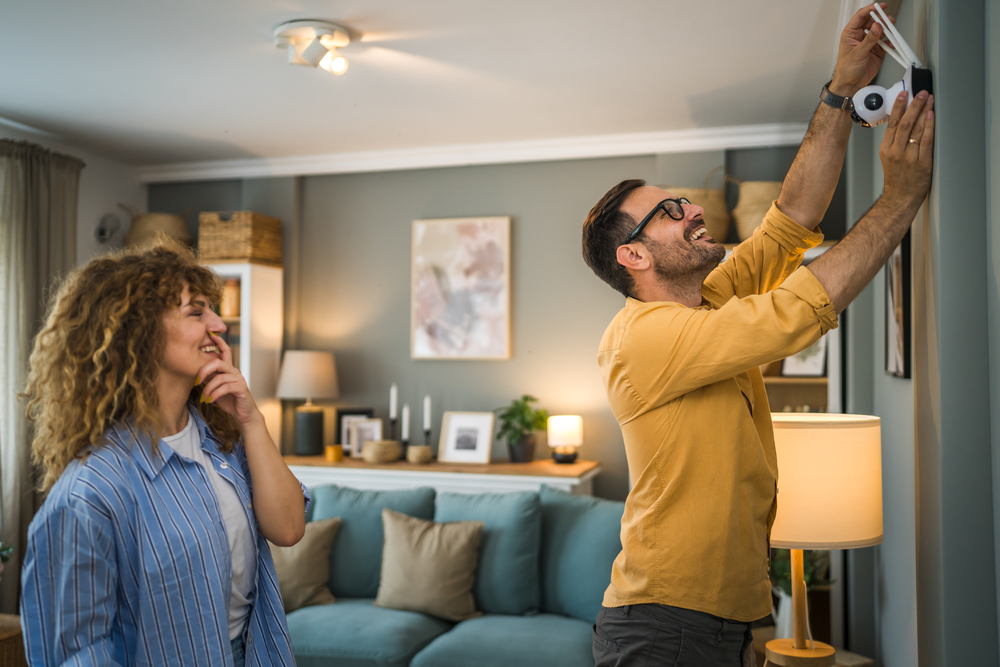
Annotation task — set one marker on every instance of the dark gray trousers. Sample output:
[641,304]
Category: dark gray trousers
[659,635]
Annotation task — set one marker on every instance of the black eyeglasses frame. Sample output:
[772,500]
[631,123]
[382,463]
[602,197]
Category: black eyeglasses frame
[680,201]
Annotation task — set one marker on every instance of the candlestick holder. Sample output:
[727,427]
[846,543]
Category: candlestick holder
[392,428]
[427,437]
[403,445]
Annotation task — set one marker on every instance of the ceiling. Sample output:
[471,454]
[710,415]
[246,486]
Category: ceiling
[153,83]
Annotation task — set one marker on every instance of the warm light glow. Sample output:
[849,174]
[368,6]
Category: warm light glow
[334,63]
[829,481]
[565,430]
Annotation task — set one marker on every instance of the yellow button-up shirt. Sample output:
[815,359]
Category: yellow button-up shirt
[685,387]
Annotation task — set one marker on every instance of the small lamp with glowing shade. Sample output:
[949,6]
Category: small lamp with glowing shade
[565,435]
[308,374]
[829,497]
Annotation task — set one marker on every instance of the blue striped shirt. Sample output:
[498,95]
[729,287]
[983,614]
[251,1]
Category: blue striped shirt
[128,562]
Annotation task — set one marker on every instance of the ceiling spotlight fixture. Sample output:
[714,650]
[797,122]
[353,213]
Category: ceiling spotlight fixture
[314,43]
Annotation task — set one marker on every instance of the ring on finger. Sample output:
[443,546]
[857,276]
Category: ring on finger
[913,141]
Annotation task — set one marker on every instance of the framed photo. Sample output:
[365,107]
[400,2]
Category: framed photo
[345,417]
[460,289]
[897,311]
[810,362]
[363,430]
[466,437]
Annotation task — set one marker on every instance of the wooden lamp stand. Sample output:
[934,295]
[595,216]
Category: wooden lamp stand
[798,652]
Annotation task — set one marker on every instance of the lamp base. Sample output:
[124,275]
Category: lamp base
[782,652]
[564,457]
[308,431]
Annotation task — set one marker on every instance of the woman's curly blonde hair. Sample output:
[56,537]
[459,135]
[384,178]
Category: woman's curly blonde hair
[96,361]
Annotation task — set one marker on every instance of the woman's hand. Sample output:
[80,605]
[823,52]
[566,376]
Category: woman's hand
[225,386]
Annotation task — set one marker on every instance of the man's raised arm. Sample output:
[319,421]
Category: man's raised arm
[907,155]
[812,178]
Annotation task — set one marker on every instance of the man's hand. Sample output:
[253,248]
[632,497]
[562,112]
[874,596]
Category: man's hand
[859,56]
[907,150]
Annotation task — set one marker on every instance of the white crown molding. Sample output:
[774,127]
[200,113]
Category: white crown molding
[539,150]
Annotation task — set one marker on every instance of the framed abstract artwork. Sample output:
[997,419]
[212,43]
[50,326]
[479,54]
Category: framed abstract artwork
[460,289]
[897,311]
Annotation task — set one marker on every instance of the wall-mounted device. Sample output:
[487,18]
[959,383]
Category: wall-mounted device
[873,104]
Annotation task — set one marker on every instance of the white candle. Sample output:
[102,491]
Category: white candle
[406,421]
[427,412]
[392,401]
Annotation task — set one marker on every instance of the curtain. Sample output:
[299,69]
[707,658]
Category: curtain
[38,197]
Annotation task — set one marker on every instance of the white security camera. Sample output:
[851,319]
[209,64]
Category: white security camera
[873,104]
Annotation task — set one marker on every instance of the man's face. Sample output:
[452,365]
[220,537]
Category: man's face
[679,248]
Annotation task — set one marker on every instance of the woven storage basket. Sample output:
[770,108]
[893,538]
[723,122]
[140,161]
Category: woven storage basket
[419,454]
[381,451]
[714,203]
[246,236]
[754,202]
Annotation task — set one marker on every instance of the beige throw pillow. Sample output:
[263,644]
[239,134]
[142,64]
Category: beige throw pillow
[429,567]
[304,569]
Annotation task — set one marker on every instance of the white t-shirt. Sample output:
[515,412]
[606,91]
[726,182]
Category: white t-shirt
[241,546]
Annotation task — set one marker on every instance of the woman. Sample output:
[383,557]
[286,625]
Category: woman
[162,480]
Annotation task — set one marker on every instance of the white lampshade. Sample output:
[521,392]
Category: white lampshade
[829,481]
[308,374]
[565,430]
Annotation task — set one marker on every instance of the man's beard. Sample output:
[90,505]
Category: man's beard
[683,260]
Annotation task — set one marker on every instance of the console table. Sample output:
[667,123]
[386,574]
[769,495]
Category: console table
[497,477]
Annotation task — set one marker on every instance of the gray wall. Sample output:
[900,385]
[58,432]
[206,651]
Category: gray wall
[992,25]
[934,576]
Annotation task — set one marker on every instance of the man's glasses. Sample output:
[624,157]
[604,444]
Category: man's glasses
[672,207]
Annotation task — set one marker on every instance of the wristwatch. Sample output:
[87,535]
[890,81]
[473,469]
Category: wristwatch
[842,103]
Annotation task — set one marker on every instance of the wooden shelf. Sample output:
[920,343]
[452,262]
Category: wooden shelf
[539,468]
[776,379]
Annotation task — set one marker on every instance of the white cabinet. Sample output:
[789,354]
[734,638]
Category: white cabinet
[256,333]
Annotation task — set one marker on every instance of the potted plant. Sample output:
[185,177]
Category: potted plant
[518,422]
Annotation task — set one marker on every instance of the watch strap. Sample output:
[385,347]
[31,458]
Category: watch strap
[835,101]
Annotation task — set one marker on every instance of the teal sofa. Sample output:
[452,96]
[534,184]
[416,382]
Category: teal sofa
[544,563]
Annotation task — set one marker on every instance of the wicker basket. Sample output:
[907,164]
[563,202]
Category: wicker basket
[246,236]
[754,202]
[419,454]
[381,451]
[714,203]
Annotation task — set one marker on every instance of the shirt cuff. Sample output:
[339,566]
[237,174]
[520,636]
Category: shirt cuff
[789,234]
[803,284]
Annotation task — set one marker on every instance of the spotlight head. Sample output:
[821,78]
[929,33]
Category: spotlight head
[311,41]
[334,63]
[314,53]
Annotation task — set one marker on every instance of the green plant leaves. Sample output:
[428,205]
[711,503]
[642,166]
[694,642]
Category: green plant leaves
[519,418]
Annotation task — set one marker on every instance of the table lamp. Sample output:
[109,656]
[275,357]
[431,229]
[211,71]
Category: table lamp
[565,435]
[829,497]
[307,374]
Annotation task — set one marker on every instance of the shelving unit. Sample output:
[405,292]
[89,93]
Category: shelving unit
[256,334]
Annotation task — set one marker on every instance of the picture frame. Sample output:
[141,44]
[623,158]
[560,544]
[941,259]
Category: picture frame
[898,337]
[460,289]
[466,437]
[810,362]
[345,416]
[361,431]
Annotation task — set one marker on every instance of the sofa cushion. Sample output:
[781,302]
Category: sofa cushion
[581,537]
[428,566]
[356,556]
[545,640]
[303,569]
[507,579]
[354,633]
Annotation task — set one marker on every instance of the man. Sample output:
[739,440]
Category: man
[680,365]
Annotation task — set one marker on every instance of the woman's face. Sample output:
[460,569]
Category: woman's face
[188,345]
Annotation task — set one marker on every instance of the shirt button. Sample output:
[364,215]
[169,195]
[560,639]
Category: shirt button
[224,466]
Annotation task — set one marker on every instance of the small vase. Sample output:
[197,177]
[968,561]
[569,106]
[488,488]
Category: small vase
[522,451]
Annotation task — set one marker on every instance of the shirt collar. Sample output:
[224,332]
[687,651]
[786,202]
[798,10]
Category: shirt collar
[141,451]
